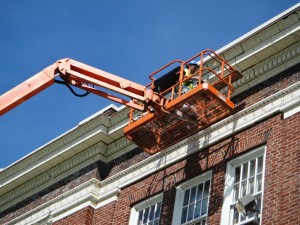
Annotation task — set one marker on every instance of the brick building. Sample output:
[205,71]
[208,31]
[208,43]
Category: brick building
[93,175]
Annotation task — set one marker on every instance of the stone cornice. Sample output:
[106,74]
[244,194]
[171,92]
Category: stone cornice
[86,194]
[84,136]
[268,68]
[276,28]
[53,175]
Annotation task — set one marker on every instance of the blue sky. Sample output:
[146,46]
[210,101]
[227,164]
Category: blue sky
[128,38]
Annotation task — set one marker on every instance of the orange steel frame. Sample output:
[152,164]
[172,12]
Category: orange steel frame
[156,108]
[84,77]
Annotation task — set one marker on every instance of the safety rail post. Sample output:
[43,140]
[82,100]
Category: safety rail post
[130,115]
[224,66]
[229,81]
[201,65]
[180,79]
[222,69]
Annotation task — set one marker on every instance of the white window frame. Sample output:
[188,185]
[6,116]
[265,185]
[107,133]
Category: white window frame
[176,220]
[143,205]
[229,180]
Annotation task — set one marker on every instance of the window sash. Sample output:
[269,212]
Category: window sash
[243,176]
[192,200]
[147,212]
[248,178]
[195,203]
[149,215]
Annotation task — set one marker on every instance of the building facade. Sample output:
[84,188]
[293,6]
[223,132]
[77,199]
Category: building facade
[93,175]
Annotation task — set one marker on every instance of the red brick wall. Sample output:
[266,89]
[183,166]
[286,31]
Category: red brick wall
[266,133]
[282,180]
[81,217]
[214,158]
[106,214]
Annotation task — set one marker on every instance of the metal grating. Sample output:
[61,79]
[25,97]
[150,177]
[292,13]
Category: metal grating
[183,117]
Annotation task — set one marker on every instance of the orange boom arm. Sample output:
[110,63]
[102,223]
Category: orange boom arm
[84,77]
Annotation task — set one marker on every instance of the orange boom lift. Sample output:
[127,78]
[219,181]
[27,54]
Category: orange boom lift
[161,114]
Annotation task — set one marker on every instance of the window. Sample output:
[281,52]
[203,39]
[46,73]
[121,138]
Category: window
[147,212]
[191,202]
[244,176]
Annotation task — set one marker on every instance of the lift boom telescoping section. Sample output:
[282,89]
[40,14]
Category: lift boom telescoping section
[161,113]
[79,75]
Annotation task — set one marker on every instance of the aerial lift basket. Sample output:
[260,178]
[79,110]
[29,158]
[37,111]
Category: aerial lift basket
[184,114]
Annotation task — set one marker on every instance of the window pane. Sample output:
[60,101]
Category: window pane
[157,212]
[244,188]
[186,197]
[151,216]
[237,174]
[193,194]
[245,171]
[259,164]
[259,183]
[235,216]
[206,189]
[251,185]
[199,192]
[204,206]
[191,212]
[140,217]
[258,203]
[146,214]
[242,218]
[197,209]
[236,192]
[252,168]
[183,215]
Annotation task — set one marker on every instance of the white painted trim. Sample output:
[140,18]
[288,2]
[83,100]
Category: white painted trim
[291,110]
